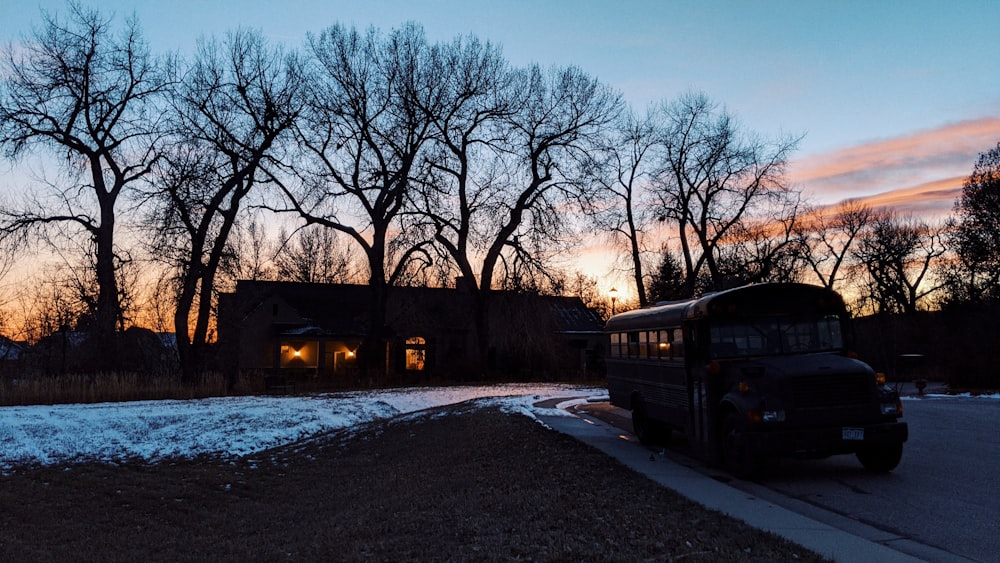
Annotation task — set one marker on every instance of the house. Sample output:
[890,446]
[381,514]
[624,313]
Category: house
[137,350]
[311,330]
[11,355]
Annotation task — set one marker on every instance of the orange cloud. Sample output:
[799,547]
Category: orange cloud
[902,163]
[919,174]
[932,201]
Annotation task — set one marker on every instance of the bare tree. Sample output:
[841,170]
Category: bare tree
[250,254]
[559,118]
[231,108]
[313,255]
[587,289]
[898,256]
[87,94]
[624,169]
[830,239]
[718,180]
[763,248]
[365,126]
[53,302]
[512,151]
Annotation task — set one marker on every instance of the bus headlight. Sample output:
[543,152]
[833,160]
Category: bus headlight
[892,409]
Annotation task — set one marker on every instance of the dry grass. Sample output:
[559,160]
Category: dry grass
[116,387]
[451,485]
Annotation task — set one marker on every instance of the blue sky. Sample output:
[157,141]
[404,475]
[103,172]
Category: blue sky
[845,74]
[841,70]
[895,99]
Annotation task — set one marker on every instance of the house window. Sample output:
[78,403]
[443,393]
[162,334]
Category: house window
[416,353]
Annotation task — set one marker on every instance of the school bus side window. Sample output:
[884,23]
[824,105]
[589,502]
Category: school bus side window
[677,344]
[633,344]
[663,344]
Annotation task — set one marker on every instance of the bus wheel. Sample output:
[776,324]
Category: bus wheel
[737,456]
[881,459]
[643,428]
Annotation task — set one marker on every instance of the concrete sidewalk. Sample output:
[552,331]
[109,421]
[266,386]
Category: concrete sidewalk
[865,544]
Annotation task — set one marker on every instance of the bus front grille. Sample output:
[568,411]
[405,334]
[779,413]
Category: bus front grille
[808,391]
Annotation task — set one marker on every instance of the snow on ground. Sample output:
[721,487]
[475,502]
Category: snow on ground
[915,397]
[959,395]
[228,426]
[237,426]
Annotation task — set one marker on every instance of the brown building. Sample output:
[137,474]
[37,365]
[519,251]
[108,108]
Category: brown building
[306,330]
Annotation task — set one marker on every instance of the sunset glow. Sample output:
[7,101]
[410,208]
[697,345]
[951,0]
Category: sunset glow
[892,106]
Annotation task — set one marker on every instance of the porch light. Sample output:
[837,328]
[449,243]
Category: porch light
[297,353]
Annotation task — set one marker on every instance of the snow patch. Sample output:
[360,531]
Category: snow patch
[230,426]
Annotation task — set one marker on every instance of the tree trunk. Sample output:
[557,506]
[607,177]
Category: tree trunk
[482,304]
[373,362]
[108,307]
[185,353]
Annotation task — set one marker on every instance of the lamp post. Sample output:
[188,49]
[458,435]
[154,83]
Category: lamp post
[613,293]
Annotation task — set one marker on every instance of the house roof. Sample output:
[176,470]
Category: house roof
[9,349]
[343,309]
[572,316]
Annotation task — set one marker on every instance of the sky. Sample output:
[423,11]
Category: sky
[894,99]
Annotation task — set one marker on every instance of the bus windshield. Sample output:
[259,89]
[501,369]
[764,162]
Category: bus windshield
[776,336]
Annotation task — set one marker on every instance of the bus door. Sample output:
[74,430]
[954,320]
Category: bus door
[698,408]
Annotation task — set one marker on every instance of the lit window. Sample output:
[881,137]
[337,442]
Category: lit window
[416,353]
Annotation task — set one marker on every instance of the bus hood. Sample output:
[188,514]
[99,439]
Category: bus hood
[804,365]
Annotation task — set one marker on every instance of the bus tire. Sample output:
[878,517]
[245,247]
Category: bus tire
[643,428]
[738,458]
[881,459]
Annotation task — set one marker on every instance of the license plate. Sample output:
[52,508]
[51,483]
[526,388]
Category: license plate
[854,433]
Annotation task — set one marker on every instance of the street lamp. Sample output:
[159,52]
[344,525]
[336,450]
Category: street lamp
[614,298]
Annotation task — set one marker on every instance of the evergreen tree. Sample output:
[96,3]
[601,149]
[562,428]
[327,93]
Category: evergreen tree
[668,283]
[975,234]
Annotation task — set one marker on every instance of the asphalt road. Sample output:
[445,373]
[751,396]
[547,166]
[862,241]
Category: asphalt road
[944,494]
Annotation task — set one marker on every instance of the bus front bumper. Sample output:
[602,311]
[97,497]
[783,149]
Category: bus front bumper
[826,440]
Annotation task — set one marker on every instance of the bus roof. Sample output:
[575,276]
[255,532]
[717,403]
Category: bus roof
[757,299]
